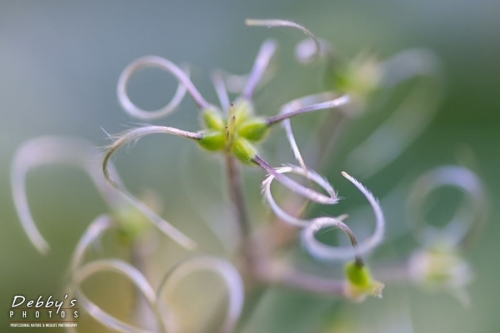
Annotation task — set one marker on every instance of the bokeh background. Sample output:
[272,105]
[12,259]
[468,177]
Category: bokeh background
[59,65]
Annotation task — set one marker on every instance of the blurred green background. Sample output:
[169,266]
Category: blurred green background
[59,65]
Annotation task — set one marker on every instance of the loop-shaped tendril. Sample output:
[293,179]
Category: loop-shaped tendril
[133,135]
[92,234]
[275,23]
[236,82]
[280,213]
[266,52]
[326,252]
[292,185]
[304,105]
[306,50]
[184,85]
[48,150]
[221,90]
[411,116]
[132,274]
[227,272]
[467,216]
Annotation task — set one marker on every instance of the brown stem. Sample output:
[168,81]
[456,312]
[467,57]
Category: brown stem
[236,196]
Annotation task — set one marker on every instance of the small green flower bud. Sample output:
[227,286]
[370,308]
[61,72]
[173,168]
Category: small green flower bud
[212,119]
[365,76]
[358,275]
[243,150]
[253,130]
[131,223]
[243,111]
[359,78]
[359,283]
[334,76]
[440,267]
[212,140]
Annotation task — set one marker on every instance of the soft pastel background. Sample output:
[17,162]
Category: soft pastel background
[59,64]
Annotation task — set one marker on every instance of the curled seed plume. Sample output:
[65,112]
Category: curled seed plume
[469,215]
[274,23]
[185,84]
[304,105]
[305,51]
[409,64]
[267,50]
[93,233]
[221,90]
[49,150]
[133,135]
[287,111]
[311,194]
[99,314]
[133,109]
[236,82]
[326,252]
[410,117]
[280,213]
[227,272]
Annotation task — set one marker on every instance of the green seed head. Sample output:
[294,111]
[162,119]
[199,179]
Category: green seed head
[253,130]
[213,140]
[359,78]
[243,111]
[131,223]
[243,150]
[212,119]
[360,284]
[358,275]
[234,133]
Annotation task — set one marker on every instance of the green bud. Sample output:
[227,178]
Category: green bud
[131,223]
[360,284]
[335,73]
[212,119]
[243,111]
[212,140]
[243,150]
[358,275]
[253,130]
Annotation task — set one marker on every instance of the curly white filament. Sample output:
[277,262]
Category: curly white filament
[280,213]
[466,217]
[326,252]
[221,90]
[99,314]
[227,272]
[168,66]
[409,119]
[274,23]
[133,135]
[236,82]
[329,104]
[408,64]
[306,52]
[295,187]
[260,65]
[133,109]
[303,105]
[53,150]
[93,233]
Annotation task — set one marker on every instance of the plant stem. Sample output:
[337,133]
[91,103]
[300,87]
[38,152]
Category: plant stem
[237,197]
[250,258]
